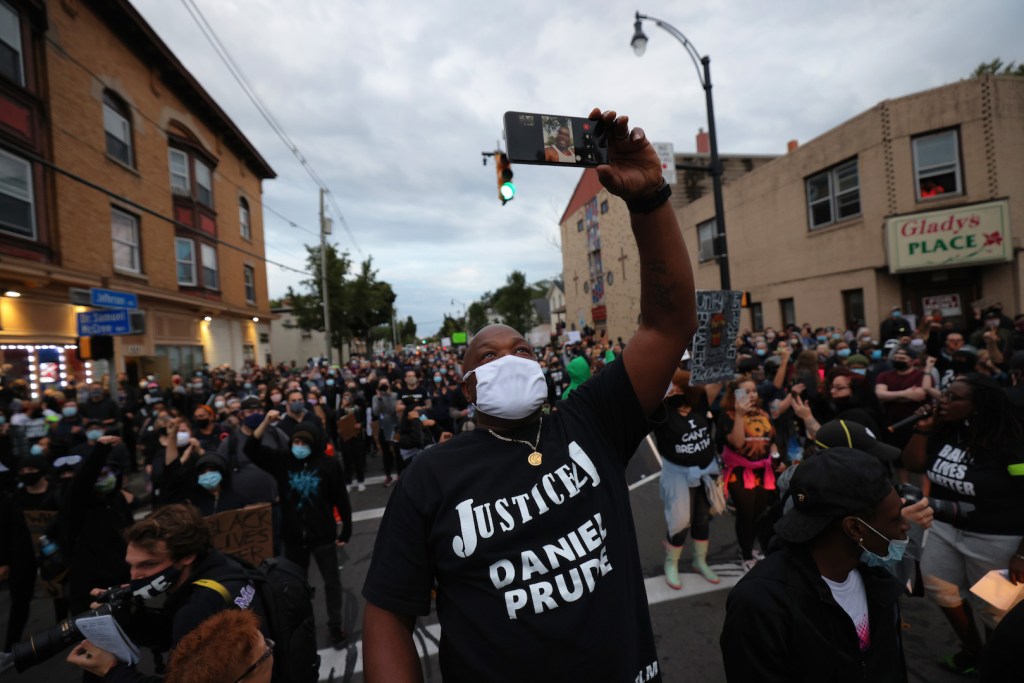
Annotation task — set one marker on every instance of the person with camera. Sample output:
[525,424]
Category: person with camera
[971,451]
[472,516]
[823,607]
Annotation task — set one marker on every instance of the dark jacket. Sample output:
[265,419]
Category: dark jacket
[310,489]
[782,624]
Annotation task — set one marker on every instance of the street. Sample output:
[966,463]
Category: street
[686,623]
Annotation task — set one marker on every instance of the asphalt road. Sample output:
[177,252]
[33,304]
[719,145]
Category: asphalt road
[686,623]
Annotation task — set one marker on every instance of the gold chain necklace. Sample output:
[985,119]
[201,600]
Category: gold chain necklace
[535,458]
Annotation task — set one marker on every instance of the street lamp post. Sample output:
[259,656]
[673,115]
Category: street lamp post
[703,65]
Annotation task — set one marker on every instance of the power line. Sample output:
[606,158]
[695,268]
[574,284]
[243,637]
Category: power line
[236,72]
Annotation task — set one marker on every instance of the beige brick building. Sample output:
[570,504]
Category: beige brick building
[126,176]
[908,204]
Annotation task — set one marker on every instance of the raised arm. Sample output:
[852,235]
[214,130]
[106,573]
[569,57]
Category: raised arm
[668,315]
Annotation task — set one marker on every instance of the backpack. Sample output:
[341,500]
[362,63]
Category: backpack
[288,603]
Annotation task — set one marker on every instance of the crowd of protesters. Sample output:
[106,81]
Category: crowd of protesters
[298,436]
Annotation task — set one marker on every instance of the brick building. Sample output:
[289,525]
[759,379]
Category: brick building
[907,204]
[122,173]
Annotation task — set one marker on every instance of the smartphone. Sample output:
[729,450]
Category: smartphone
[553,140]
[741,396]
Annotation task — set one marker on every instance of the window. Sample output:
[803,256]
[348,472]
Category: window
[250,284]
[124,229]
[17,211]
[118,129]
[579,225]
[10,44]
[243,218]
[185,256]
[180,182]
[604,206]
[706,240]
[204,184]
[788,309]
[833,195]
[756,317]
[937,164]
[853,307]
[209,257]
[183,360]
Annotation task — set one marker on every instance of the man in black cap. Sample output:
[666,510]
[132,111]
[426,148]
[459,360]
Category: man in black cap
[823,608]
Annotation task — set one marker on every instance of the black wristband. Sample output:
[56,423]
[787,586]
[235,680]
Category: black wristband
[651,202]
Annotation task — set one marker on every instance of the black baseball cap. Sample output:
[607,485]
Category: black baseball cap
[831,485]
[846,434]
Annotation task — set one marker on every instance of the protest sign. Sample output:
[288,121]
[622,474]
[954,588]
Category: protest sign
[246,533]
[713,353]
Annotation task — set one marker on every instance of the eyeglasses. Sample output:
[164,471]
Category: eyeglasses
[264,657]
[840,387]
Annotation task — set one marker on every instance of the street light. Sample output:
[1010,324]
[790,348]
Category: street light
[639,43]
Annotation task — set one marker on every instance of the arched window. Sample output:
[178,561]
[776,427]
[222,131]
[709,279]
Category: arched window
[117,125]
[243,218]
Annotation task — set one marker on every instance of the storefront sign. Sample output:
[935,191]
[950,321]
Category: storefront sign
[714,349]
[959,236]
[949,304]
[599,313]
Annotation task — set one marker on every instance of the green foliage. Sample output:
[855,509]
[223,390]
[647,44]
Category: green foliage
[451,325]
[997,68]
[407,332]
[357,302]
[514,302]
[477,313]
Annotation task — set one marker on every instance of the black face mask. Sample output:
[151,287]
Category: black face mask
[30,479]
[900,365]
[202,422]
[676,401]
[962,367]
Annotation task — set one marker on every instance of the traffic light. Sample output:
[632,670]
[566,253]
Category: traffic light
[96,348]
[506,188]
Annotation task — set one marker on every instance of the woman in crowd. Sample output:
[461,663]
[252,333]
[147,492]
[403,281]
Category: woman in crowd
[750,455]
[684,441]
[972,452]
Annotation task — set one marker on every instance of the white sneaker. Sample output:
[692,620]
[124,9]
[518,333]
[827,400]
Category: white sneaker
[362,486]
[758,555]
[748,565]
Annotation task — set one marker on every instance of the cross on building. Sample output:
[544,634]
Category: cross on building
[576,281]
[622,260]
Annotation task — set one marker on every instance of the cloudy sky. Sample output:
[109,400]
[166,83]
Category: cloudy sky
[392,103]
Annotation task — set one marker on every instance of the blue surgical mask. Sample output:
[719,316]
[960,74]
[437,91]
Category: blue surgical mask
[843,353]
[210,480]
[761,352]
[69,411]
[36,449]
[301,451]
[876,354]
[892,557]
[330,382]
[296,406]
[859,371]
[822,339]
[437,379]
[93,434]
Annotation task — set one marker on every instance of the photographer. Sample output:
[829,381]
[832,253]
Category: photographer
[173,543]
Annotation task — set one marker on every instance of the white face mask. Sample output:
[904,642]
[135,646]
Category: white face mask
[183,438]
[510,387]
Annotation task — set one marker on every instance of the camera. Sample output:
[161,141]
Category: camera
[119,602]
[947,511]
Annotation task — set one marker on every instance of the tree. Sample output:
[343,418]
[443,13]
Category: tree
[356,305]
[514,302]
[450,325]
[477,314]
[997,68]
[407,331]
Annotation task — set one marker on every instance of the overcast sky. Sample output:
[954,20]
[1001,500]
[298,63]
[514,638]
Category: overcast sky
[392,103]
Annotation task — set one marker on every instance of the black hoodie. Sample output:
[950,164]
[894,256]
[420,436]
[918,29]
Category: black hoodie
[310,490]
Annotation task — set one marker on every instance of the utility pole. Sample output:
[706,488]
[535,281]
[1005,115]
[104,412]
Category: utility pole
[325,229]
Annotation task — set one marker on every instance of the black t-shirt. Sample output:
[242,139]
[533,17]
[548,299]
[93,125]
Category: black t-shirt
[957,475]
[538,574]
[685,441]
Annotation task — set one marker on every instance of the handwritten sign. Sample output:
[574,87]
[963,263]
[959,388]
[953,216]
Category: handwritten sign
[246,533]
[713,353]
[347,428]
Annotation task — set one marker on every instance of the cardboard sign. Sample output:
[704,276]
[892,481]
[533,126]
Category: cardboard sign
[713,352]
[247,533]
[347,427]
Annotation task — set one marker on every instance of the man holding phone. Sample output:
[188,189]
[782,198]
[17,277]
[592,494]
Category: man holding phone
[523,525]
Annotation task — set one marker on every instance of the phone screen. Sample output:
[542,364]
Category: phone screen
[553,140]
[741,396]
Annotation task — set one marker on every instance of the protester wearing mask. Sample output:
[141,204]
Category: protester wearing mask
[93,513]
[177,442]
[297,414]
[902,391]
[822,608]
[100,407]
[383,407]
[683,436]
[311,486]
[205,427]
[202,481]
[71,426]
[895,326]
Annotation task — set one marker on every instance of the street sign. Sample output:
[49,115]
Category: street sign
[104,323]
[79,296]
[111,298]
[668,161]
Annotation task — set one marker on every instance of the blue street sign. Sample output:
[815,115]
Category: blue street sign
[111,298]
[103,323]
